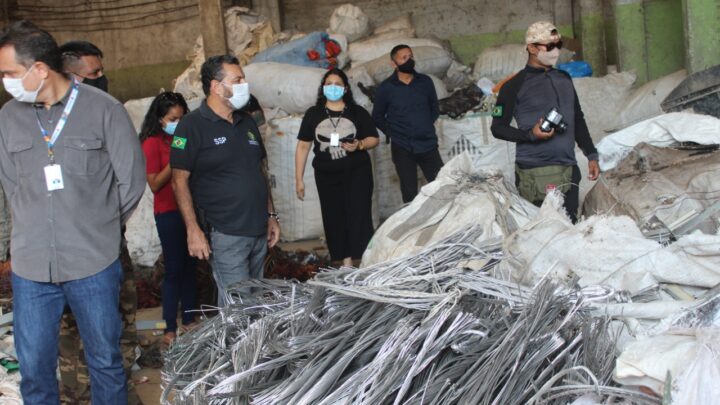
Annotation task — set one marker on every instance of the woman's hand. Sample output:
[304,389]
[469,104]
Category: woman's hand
[300,189]
[350,146]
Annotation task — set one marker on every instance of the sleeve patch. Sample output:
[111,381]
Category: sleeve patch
[179,143]
[497,112]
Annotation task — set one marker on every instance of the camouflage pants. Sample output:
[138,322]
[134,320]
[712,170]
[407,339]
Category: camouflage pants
[75,379]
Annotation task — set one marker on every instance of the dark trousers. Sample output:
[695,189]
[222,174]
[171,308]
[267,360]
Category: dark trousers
[346,206]
[406,163]
[179,280]
[572,197]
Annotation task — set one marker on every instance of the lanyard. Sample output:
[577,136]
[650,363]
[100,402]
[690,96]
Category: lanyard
[51,139]
[334,123]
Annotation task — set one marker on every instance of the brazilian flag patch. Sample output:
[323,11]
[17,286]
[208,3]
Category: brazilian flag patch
[497,111]
[179,143]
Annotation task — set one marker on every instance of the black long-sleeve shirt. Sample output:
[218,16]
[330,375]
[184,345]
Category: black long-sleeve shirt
[407,112]
[527,97]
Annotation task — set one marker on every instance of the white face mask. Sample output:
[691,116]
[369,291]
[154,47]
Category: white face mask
[549,58]
[17,90]
[240,95]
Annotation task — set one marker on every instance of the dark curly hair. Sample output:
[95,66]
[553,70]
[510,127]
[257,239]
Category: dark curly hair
[159,109]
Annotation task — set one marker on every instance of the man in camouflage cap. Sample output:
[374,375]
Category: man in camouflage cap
[544,157]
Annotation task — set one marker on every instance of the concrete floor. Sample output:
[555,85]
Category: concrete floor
[149,391]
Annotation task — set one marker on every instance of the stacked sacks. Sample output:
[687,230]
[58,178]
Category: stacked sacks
[666,319]
[291,89]
[673,159]
[246,33]
[300,219]
[317,49]
[472,135]
[141,234]
[350,21]
[460,196]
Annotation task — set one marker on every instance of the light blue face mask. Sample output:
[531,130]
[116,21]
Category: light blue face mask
[170,127]
[333,92]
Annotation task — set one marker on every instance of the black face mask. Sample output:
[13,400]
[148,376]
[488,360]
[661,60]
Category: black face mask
[100,83]
[408,66]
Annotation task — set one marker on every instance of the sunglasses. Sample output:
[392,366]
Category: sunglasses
[550,47]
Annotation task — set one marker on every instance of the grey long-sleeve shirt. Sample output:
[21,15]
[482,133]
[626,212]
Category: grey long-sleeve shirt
[529,96]
[74,232]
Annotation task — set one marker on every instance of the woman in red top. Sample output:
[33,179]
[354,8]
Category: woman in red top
[179,282]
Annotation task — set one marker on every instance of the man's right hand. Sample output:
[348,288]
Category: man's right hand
[198,245]
[539,134]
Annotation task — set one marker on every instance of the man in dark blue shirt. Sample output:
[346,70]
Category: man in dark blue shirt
[406,107]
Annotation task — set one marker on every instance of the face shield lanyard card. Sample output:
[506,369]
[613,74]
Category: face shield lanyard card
[53,172]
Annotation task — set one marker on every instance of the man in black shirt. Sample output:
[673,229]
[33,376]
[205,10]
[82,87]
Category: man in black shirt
[220,179]
[406,107]
[544,159]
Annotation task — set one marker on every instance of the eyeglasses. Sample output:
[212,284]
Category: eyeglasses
[550,47]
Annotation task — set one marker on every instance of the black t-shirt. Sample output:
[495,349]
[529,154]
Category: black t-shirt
[224,161]
[353,123]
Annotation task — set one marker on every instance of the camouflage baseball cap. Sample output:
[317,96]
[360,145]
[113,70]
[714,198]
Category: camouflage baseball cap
[542,32]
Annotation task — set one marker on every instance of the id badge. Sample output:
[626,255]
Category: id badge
[334,139]
[53,177]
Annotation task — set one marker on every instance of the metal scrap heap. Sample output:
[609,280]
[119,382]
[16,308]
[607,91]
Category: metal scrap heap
[432,328]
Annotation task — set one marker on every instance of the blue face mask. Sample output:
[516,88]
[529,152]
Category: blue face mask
[170,127]
[333,92]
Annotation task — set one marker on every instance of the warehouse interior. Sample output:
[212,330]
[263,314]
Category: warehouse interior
[469,292]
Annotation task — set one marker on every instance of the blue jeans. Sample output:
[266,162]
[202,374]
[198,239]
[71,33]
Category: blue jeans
[234,259]
[179,282]
[94,301]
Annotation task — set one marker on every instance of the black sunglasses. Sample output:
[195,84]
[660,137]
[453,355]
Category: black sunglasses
[550,47]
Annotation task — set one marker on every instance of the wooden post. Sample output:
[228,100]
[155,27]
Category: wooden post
[212,27]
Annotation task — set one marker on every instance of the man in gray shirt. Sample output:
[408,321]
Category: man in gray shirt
[73,171]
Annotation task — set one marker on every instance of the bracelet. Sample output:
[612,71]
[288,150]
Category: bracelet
[274,215]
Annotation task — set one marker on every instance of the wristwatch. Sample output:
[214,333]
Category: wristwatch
[274,215]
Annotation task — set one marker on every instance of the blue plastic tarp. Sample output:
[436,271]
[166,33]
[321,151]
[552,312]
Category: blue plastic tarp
[296,52]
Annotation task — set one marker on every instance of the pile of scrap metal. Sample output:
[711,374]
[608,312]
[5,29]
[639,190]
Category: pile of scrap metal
[433,327]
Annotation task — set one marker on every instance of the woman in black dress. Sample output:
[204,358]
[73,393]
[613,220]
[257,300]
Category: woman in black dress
[342,132]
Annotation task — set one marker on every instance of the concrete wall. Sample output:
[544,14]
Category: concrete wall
[650,37]
[665,48]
